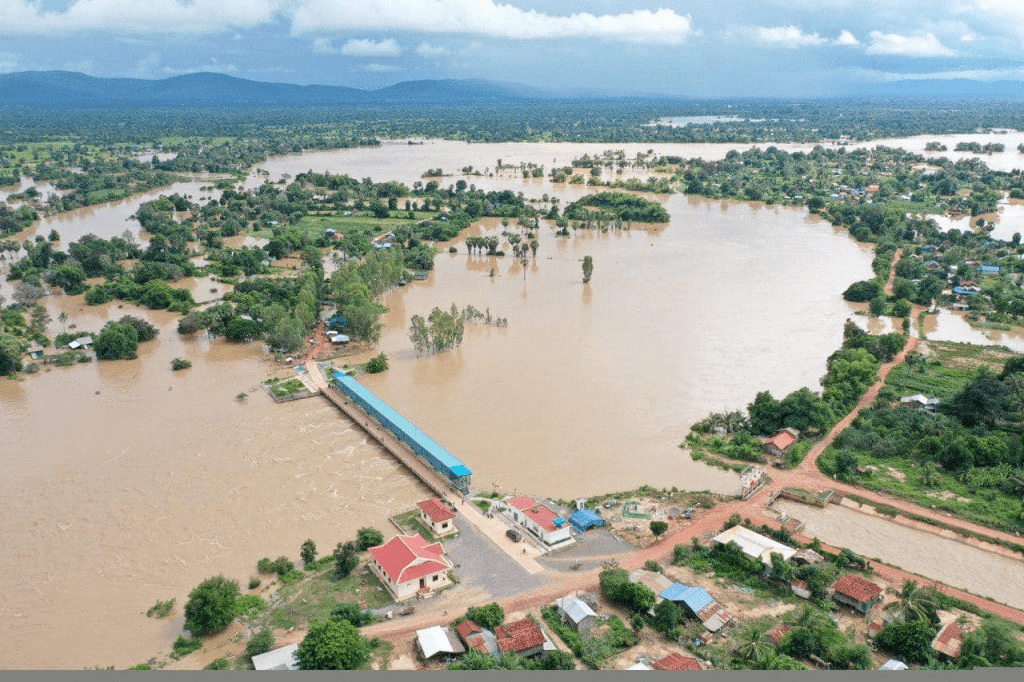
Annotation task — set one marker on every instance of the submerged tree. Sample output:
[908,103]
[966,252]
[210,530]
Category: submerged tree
[588,268]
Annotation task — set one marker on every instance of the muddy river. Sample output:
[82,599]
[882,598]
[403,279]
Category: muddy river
[122,483]
[953,563]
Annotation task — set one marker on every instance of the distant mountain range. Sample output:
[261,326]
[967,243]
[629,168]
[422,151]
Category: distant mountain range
[63,89]
[68,90]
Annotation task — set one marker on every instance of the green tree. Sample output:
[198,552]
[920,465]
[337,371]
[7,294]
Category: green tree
[916,603]
[211,605]
[11,349]
[350,611]
[588,268]
[308,552]
[658,528]
[369,537]
[377,364]
[333,645]
[489,616]
[346,558]
[116,341]
[260,643]
[753,643]
[910,641]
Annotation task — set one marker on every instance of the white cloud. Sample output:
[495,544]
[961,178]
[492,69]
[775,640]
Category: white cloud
[8,62]
[21,17]
[846,38]
[380,68]
[970,37]
[324,46]
[371,48]
[1010,74]
[488,18]
[783,36]
[926,45]
[428,50]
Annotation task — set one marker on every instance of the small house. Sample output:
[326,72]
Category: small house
[436,640]
[409,565]
[949,639]
[437,516]
[856,592]
[919,401]
[576,612]
[584,519]
[523,637]
[893,664]
[540,519]
[656,582]
[478,638]
[676,661]
[800,589]
[278,659]
[36,352]
[639,666]
[698,602]
[754,545]
[82,342]
[781,441]
[988,270]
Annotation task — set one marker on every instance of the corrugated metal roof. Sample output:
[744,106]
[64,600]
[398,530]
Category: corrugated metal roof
[695,598]
[410,430]
[278,659]
[575,608]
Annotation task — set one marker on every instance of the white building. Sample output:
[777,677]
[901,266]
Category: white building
[409,565]
[544,522]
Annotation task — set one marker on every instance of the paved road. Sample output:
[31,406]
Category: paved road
[482,564]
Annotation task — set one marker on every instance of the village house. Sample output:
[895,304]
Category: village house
[409,565]
[476,637]
[754,545]
[282,658]
[781,441]
[776,632]
[676,661]
[540,519]
[949,640]
[576,612]
[919,401]
[436,640]
[699,603]
[656,582]
[83,342]
[437,516]
[856,592]
[893,664]
[523,637]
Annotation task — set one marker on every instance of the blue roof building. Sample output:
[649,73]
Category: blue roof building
[423,445]
[965,291]
[989,269]
[584,519]
[695,598]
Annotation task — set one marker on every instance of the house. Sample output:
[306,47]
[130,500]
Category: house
[676,661]
[409,565]
[698,602]
[436,640]
[754,545]
[476,637]
[585,519]
[949,639]
[523,637]
[36,352]
[988,270]
[336,338]
[656,582]
[856,592]
[893,664]
[437,516]
[776,633]
[967,290]
[576,611]
[919,401]
[278,659]
[800,589]
[781,441]
[83,342]
[540,519]
[807,556]
[751,479]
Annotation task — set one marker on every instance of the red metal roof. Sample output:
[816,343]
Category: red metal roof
[782,440]
[535,511]
[436,510]
[777,632]
[857,588]
[519,635]
[949,640]
[467,628]
[408,557]
[676,661]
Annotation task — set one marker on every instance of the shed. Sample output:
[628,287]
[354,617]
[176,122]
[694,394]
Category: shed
[652,579]
[438,640]
[857,592]
[893,664]
[698,602]
[576,611]
[81,342]
[754,545]
[278,659]
[949,639]
[585,519]
[476,637]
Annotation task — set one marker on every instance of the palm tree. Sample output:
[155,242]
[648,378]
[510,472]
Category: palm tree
[753,643]
[915,603]
[63,319]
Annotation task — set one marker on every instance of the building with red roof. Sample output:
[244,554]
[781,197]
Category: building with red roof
[776,633]
[780,442]
[676,661]
[855,591]
[408,564]
[437,516]
[541,520]
[949,640]
[523,637]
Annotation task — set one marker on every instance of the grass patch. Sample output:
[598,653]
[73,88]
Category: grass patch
[380,654]
[282,388]
[485,505]
[183,646]
[592,648]
[161,609]
[307,601]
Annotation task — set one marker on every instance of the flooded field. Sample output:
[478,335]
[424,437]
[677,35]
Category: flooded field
[946,325]
[948,561]
[123,483]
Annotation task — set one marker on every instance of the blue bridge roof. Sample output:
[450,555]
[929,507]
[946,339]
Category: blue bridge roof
[410,430]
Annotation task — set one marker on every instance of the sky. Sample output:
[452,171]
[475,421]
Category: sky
[699,48]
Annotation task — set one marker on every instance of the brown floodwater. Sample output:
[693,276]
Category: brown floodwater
[123,482]
[929,555]
[946,325]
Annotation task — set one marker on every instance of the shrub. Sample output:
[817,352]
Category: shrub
[211,605]
[291,576]
[351,612]
[161,608]
[308,552]
[489,616]
[249,605]
[369,537]
[282,565]
[254,582]
[180,363]
[260,643]
[265,565]
[377,364]
[183,646]
[219,664]
[652,566]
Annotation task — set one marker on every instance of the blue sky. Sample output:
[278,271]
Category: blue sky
[698,48]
